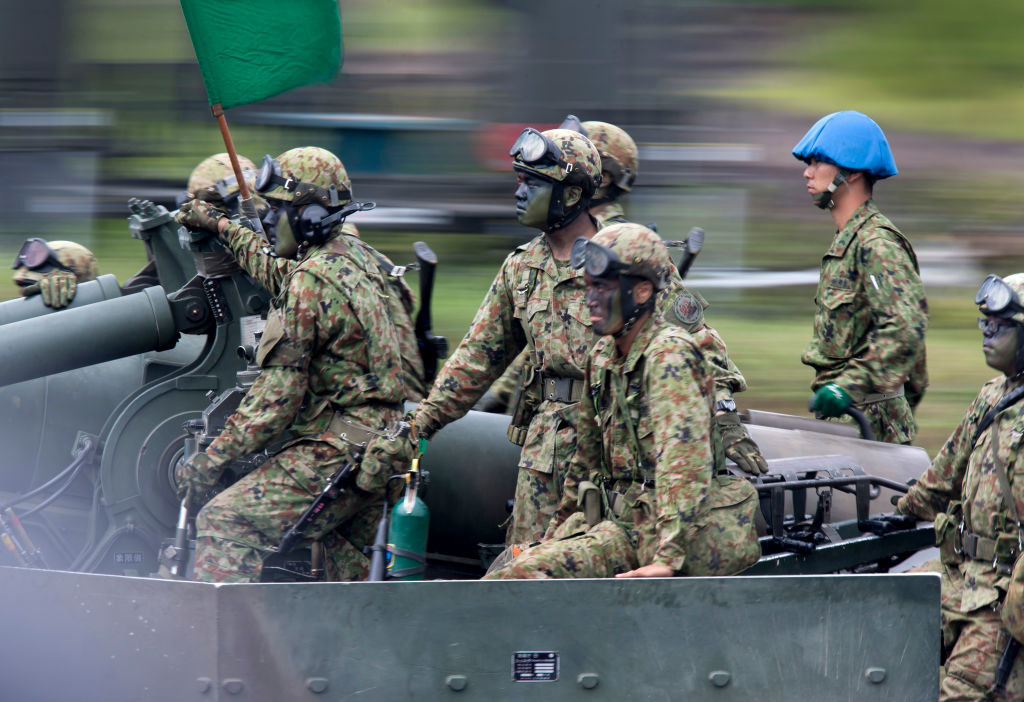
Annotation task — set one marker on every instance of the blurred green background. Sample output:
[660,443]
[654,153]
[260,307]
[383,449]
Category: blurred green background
[738,81]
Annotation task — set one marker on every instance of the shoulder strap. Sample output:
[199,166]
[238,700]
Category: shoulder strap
[1011,398]
[622,407]
[1004,481]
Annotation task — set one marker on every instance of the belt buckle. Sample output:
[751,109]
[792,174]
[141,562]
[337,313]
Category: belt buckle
[552,387]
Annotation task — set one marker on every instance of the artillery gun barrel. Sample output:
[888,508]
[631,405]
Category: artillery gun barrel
[93,333]
[103,288]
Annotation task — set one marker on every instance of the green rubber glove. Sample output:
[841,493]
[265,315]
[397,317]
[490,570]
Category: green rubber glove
[199,216]
[830,401]
[56,288]
[738,445]
[197,478]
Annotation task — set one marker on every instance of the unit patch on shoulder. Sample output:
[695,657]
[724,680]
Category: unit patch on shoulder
[686,308]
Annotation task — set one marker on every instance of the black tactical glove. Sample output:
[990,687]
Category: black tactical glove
[57,289]
[199,216]
[887,523]
[738,445]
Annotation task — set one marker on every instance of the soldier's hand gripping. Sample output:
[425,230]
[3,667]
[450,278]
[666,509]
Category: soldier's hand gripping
[385,456]
[56,288]
[197,477]
[738,445]
[199,215]
[830,401]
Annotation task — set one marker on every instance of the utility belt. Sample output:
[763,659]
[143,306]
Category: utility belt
[352,432]
[555,388]
[874,397]
[1001,551]
[535,387]
[598,502]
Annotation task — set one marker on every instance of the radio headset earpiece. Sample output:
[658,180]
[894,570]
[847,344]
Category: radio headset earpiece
[313,223]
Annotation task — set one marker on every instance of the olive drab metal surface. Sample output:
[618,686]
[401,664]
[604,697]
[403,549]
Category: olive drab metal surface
[84,637]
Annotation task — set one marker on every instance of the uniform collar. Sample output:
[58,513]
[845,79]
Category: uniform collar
[602,213]
[853,225]
[604,356]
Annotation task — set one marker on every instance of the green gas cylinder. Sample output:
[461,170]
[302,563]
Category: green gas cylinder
[407,536]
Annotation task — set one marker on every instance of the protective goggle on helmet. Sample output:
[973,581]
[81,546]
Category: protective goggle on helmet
[35,253]
[270,176]
[535,149]
[597,260]
[997,297]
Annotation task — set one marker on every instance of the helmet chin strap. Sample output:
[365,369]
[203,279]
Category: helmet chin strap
[824,199]
[631,311]
[558,218]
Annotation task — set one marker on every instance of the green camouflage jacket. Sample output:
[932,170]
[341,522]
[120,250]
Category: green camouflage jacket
[872,313]
[609,213]
[329,345]
[537,303]
[667,389]
[270,272]
[962,480]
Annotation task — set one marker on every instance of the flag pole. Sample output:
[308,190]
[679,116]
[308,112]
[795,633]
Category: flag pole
[245,205]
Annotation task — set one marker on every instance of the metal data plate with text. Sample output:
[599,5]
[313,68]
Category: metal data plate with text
[83,637]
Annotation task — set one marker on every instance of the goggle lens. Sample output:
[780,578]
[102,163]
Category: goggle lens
[530,147]
[995,294]
[34,254]
[598,261]
[265,177]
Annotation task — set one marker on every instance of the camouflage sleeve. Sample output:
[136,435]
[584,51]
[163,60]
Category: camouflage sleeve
[494,339]
[899,315]
[678,387]
[263,415]
[728,378]
[274,399]
[247,248]
[943,481]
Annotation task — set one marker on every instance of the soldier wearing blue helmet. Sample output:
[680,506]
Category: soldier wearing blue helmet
[868,345]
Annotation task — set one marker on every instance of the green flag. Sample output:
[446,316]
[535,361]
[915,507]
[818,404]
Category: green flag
[250,50]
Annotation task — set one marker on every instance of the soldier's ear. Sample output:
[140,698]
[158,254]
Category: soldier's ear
[571,195]
[642,291]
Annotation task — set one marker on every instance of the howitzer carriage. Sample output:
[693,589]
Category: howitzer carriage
[95,426]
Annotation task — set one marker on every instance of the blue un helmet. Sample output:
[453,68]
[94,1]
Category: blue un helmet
[850,140]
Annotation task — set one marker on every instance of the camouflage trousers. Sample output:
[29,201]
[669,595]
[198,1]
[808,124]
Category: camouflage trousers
[537,497]
[892,421]
[576,551]
[245,523]
[979,640]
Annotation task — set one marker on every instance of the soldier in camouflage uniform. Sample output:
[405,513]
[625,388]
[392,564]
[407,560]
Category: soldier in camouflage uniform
[53,270]
[868,348]
[620,161]
[332,374]
[248,248]
[977,525]
[643,479]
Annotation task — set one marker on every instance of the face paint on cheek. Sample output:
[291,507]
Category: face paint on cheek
[532,203]
[285,244]
[605,305]
[1000,349]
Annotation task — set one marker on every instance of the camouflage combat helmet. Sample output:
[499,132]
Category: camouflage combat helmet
[619,155]
[202,183]
[573,161]
[639,250]
[74,257]
[303,175]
